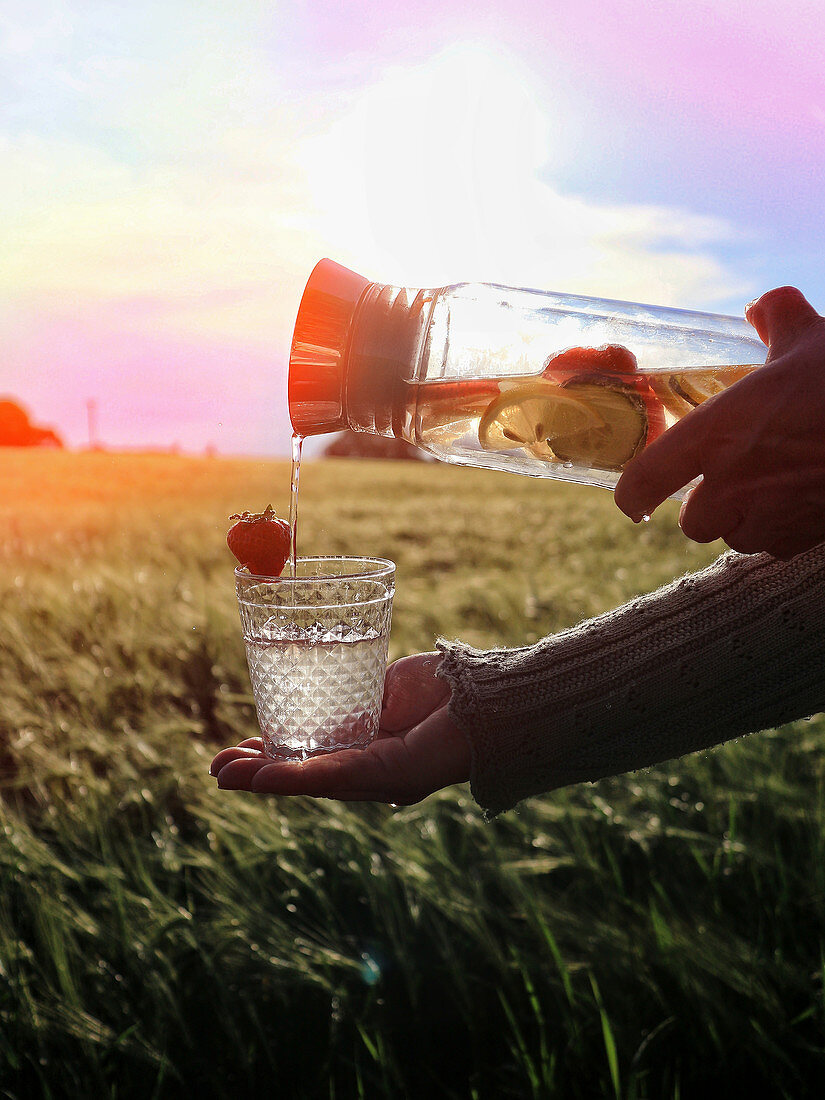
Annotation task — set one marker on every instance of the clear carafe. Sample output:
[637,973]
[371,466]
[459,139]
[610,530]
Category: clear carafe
[534,382]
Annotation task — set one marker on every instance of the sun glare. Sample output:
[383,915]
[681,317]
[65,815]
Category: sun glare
[427,171]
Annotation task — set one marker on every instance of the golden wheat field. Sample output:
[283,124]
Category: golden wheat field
[650,936]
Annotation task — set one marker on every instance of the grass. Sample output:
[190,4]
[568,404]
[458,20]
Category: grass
[655,935]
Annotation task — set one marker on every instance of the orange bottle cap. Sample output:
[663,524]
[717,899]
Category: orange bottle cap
[318,357]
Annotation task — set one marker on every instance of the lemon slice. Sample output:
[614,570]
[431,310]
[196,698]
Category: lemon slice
[535,415]
[697,386]
[623,429]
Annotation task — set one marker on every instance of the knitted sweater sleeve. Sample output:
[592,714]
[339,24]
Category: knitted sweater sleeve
[735,648]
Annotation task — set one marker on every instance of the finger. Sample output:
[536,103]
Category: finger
[752,542]
[755,535]
[784,549]
[669,463]
[252,743]
[237,775]
[237,752]
[708,514]
[331,776]
[779,315]
[412,691]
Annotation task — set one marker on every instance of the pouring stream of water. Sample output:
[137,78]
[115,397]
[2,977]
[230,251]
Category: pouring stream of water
[297,442]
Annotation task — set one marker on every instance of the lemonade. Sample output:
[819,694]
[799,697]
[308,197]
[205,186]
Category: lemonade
[582,419]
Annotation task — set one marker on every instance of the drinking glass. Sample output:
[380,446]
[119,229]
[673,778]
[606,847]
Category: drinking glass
[316,645]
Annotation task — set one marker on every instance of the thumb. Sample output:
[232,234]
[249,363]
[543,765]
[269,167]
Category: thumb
[412,691]
[779,316]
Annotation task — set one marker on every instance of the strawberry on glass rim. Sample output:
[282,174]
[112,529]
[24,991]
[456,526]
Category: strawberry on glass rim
[260,541]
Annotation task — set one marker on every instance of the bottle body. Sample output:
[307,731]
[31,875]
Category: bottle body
[542,384]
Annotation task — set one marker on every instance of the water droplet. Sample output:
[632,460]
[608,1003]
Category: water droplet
[370,970]
[567,465]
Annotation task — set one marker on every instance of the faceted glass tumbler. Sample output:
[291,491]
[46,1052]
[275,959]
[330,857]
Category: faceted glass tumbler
[316,645]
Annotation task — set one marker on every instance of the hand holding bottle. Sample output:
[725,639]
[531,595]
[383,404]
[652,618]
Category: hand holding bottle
[759,446]
[419,750]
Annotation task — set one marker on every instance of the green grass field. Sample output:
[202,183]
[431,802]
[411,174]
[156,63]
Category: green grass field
[657,935]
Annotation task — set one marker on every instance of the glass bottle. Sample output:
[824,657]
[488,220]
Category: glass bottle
[544,384]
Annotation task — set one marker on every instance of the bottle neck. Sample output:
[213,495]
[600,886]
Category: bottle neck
[381,359]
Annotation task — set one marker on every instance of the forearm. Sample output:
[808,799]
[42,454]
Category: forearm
[736,648]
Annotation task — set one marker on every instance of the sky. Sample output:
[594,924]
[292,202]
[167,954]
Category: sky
[170,172]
